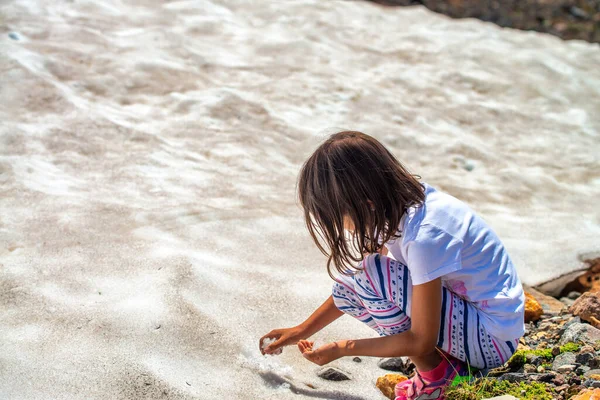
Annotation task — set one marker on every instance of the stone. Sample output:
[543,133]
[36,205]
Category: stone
[555,351]
[388,382]
[559,380]
[584,358]
[582,369]
[587,307]
[586,349]
[529,368]
[588,394]
[592,374]
[546,378]
[397,364]
[567,301]
[333,374]
[357,359]
[505,397]
[533,309]
[513,377]
[533,359]
[563,359]
[579,332]
[565,369]
[550,305]
[14,35]
[573,295]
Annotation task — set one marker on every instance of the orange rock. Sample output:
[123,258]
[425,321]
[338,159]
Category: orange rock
[533,309]
[588,394]
[388,382]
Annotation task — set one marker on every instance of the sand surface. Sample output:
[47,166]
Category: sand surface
[149,232]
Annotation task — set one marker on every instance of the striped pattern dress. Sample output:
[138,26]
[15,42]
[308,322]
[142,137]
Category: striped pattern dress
[379,295]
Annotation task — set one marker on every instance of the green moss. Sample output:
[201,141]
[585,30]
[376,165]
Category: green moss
[486,387]
[520,356]
[572,347]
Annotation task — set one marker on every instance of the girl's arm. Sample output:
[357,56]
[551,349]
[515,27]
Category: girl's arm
[323,316]
[420,340]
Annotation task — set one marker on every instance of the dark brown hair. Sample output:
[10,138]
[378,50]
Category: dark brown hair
[352,174]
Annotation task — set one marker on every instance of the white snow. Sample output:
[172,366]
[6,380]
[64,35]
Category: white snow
[149,229]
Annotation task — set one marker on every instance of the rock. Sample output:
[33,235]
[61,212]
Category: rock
[588,394]
[529,368]
[357,359]
[533,309]
[580,332]
[591,383]
[533,359]
[567,301]
[546,378]
[505,397]
[14,35]
[333,374]
[586,349]
[587,307]
[550,305]
[565,369]
[398,364]
[563,359]
[584,358]
[555,351]
[573,295]
[559,380]
[592,374]
[513,377]
[582,369]
[388,382]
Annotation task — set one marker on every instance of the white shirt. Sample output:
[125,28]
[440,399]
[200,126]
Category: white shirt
[445,238]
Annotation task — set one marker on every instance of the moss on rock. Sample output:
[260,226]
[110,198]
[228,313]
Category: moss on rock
[485,388]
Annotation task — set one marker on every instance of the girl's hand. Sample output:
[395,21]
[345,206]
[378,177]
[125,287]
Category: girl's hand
[282,337]
[324,354]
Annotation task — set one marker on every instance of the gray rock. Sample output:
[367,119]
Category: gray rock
[533,359]
[582,369]
[591,383]
[565,369]
[591,372]
[563,359]
[567,301]
[333,374]
[573,295]
[14,36]
[397,364]
[505,397]
[357,359]
[578,332]
[513,377]
[547,377]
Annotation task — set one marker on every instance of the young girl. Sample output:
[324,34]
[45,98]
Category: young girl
[432,279]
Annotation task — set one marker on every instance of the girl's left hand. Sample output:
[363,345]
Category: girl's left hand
[324,354]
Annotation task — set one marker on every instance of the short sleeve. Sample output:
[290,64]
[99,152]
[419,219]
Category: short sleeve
[432,254]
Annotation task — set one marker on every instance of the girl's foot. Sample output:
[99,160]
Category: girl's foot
[430,385]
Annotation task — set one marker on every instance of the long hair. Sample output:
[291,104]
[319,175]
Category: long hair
[352,175]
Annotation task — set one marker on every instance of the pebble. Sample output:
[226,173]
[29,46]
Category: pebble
[565,369]
[529,368]
[573,295]
[578,332]
[357,359]
[563,359]
[584,358]
[547,378]
[559,380]
[591,372]
[513,377]
[586,349]
[398,364]
[14,36]
[333,374]
[469,165]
